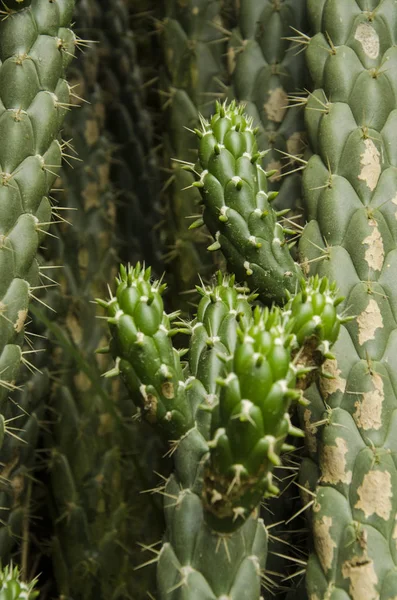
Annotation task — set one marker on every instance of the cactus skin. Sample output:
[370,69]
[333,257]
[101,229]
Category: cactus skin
[36,48]
[350,188]
[32,109]
[92,484]
[134,170]
[191,80]
[237,207]
[266,68]
[12,588]
[199,415]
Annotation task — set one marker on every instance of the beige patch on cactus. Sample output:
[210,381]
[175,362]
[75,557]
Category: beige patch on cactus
[90,195]
[336,384]
[276,105]
[74,328]
[167,389]
[394,534]
[333,463]
[363,579]
[323,541]
[375,495]
[368,413]
[296,143]
[91,132]
[106,424]
[369,40]
[274,165]
[394,201]
[21,318]
[82,381]
[375,253]
[310,430]
[368,322]
[370,165]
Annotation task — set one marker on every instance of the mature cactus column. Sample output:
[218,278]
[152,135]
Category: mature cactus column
[94,477]
[266,70]
[350,190]
[193,50]
[36,46]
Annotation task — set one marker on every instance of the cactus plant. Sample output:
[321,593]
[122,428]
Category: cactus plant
[191,80]
[267,70]
[13,588]
[36,47]
[349,191]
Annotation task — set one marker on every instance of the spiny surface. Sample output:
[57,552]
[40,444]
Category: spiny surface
[191,80]
[36,47]
[237,208]
[268,72]
[350,190]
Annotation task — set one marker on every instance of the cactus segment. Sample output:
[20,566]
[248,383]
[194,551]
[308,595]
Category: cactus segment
[12,587]
[35,49]
[237,207]
[350,187]
[276,355]
[268,74]
[143,351]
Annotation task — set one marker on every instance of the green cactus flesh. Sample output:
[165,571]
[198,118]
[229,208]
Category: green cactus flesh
[12,587]
[226,413]
[268,73]
[191,80]
[350,187]
[36,47]
[237,208]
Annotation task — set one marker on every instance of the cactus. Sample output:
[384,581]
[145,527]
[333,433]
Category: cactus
[237,208]
[191,80]
[95,479]
[225,432]
[13,588]
[134,170]
[267,70]
[349,191]
[36,48]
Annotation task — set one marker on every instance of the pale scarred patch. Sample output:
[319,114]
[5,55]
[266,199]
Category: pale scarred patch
[394,201]
[90,195]
[310,431]
[363,579]
[337,383]
[91,132]
[21,318]
[323,541]
[333,463]
[368,413]
[82,382]
[370,165]
[369,40]
[394,534]
[368,322]
[375,253]
[375,495]
[276,105]
[296,143]
[74,328]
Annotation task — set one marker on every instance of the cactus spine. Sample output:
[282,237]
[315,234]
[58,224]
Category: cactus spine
[350,189]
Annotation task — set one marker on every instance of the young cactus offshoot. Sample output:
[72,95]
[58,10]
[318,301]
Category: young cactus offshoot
[237,208]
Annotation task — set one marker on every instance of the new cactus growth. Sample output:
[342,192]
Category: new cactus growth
[226,413]
[12,587]
[237,208]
